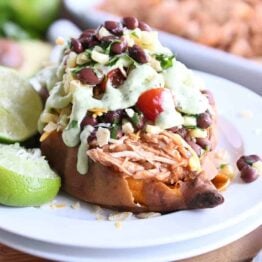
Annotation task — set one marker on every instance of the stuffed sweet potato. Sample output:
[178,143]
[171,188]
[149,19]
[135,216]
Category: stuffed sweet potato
[129,127]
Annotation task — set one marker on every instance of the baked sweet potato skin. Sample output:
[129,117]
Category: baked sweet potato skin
[105,187]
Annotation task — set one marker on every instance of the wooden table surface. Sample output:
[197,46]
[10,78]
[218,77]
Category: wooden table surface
[243,249]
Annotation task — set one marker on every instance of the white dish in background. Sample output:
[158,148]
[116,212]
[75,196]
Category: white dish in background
[78,227]
[169,252]
[194,55]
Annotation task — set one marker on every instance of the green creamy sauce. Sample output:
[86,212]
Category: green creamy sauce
[82,159]
[188,97]
[57,98]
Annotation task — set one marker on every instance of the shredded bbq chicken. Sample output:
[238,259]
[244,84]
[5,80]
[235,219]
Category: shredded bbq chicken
[161,156]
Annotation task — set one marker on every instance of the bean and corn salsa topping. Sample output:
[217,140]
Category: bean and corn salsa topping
[120,78]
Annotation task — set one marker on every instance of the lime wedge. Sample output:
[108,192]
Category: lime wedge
[25,177]
[20,107]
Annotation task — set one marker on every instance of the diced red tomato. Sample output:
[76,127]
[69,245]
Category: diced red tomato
[115,76]
[150,103]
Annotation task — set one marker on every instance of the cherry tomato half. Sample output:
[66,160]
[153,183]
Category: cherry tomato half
[150,103]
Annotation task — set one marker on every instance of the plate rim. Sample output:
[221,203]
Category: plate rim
[245,228]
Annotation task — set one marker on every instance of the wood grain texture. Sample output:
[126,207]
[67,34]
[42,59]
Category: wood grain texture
[241,250]
[10,255]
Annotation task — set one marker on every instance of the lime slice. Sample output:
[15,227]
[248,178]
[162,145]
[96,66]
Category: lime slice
[20,107]
[25,177]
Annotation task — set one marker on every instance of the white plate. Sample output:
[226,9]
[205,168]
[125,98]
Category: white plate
[79,228]
[169,252]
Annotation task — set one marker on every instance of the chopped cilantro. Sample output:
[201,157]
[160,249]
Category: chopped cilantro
[73,124]
[77,69]
[88,53]
[189,127]
[104,45]
[134,34]
[136,119]
[113,61]
[165,60]
[223,166]
[114,131]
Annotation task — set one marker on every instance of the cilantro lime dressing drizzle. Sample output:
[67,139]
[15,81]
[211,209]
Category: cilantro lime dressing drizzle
[82,159]
[57,99]
[162,70]
[187,95]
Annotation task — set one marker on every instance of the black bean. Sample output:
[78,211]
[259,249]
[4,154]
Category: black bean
[110,25]
[89,41]
[189,138]
[195,147]
[92,138]
[88,120]
[85,40]
[241,163]
[116,77]
[113,116]
[76,45]
[204,120]
[119,48]
[247,160]
[204,143]
[88,76]
[144,27]
[88,32]
[209,96]
[93,43]
[114,27]
[180,131]
[173,129]
[138,54]
[130,22]
[248,174]
[44,93]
